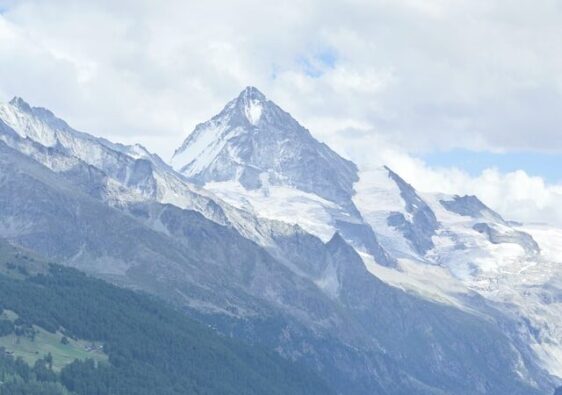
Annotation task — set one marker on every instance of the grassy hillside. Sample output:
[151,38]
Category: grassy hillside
[35,345]
[148,348]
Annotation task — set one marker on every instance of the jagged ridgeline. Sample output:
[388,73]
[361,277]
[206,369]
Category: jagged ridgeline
[272,238]
[62,332]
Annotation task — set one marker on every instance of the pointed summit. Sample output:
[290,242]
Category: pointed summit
[23,117]
[251,93]
[254,142]
[21,104]
[35,123]
[251,101]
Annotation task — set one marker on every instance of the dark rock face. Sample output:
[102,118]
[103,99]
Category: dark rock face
[362,236]
[471,206]
[496,236]
[422,226]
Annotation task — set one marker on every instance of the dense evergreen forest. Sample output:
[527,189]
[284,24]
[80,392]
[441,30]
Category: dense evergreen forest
[151,348]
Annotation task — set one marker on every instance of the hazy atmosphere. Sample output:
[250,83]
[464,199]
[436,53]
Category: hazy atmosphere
[399,82]
[352,197]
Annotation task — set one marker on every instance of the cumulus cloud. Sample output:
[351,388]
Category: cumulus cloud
[516,195]
[376,79]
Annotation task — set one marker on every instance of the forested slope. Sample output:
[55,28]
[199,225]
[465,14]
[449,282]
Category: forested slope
[151,348]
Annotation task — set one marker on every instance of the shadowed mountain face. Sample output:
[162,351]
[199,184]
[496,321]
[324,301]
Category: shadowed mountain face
[272,283]
[420,229]
[471,206]
[148,348]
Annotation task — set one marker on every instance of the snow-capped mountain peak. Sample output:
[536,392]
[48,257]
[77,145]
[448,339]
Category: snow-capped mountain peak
[263,173]
[35,123]
[20,103]
[252,100]
[256,156]
[254,142]
[39,113]
[251,93]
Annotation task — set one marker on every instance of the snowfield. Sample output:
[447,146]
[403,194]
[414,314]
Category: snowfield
[255,169]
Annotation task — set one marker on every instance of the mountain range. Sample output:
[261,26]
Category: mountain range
[269,236]
[64,333]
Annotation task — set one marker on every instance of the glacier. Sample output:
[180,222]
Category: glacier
[417,234]
[266,233]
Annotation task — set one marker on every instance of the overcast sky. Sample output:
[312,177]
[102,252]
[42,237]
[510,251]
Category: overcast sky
[458,96]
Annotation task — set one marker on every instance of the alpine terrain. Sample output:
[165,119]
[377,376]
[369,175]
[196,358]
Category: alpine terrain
[270,237]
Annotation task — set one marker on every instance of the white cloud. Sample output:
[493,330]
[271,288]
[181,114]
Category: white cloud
[515,195]
[480,74]
[406,75]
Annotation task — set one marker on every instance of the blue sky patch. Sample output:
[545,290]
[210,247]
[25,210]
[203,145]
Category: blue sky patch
[4,6]
[548,166]
[318,63]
